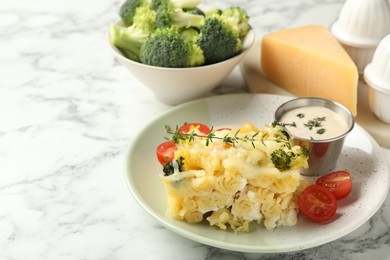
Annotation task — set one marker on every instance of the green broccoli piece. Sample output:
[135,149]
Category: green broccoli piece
[196,57]
[167,15]
[238,19]
[144,18]
[128,8]
[130,39]
[166,48]
[281,159]
[286,160]
[217,40]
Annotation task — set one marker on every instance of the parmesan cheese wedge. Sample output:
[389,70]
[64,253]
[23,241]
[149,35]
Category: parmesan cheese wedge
[309,62]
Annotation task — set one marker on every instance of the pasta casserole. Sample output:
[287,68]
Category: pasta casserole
[234,177]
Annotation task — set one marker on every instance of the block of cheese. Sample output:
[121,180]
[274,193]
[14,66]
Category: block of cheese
[309,62]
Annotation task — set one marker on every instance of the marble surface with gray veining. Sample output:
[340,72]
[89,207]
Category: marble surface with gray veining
[68,111]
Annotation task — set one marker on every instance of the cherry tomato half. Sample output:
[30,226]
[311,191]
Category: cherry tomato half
[339,183]
[201,127]
[317,203]
[165,152]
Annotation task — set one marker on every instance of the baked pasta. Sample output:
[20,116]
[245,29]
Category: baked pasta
[233,177]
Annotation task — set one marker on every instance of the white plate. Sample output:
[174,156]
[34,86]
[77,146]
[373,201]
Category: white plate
[361,156]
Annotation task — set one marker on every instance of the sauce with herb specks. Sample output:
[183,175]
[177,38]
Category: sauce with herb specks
[314,122]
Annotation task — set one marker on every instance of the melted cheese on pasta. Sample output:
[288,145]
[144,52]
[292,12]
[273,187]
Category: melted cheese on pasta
[233,185]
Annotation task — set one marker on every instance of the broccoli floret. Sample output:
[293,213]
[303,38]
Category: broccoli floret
[287,156]
[144,18]
[128,8]
[286,160]
[129,39]
[217,40]
[196,57]
[281,159]
[166,48]
[238,19]
[168,15]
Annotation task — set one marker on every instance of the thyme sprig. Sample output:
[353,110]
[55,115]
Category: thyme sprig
[177,136]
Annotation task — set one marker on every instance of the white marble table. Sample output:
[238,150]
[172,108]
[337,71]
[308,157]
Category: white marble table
[68,111]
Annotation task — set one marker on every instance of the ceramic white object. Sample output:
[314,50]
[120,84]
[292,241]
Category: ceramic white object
[360,27]
[377,76]
[174,86]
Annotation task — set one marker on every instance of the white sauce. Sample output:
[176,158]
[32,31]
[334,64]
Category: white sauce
[314,122]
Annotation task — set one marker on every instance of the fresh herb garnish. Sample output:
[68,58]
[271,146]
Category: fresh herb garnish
[229,139]
[301,115]
[321,131]
[315,122]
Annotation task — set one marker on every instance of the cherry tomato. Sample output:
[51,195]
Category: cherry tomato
[339,183]
[165,152]
[317,203]
[201,127]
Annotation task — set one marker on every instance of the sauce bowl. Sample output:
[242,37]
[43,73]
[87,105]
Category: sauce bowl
[323,152]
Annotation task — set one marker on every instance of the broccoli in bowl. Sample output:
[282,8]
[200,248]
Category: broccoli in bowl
[178,33]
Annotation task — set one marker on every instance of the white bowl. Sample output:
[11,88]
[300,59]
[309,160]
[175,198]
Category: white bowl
[174,86]
[377,76]
[379,102]
[360,27]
